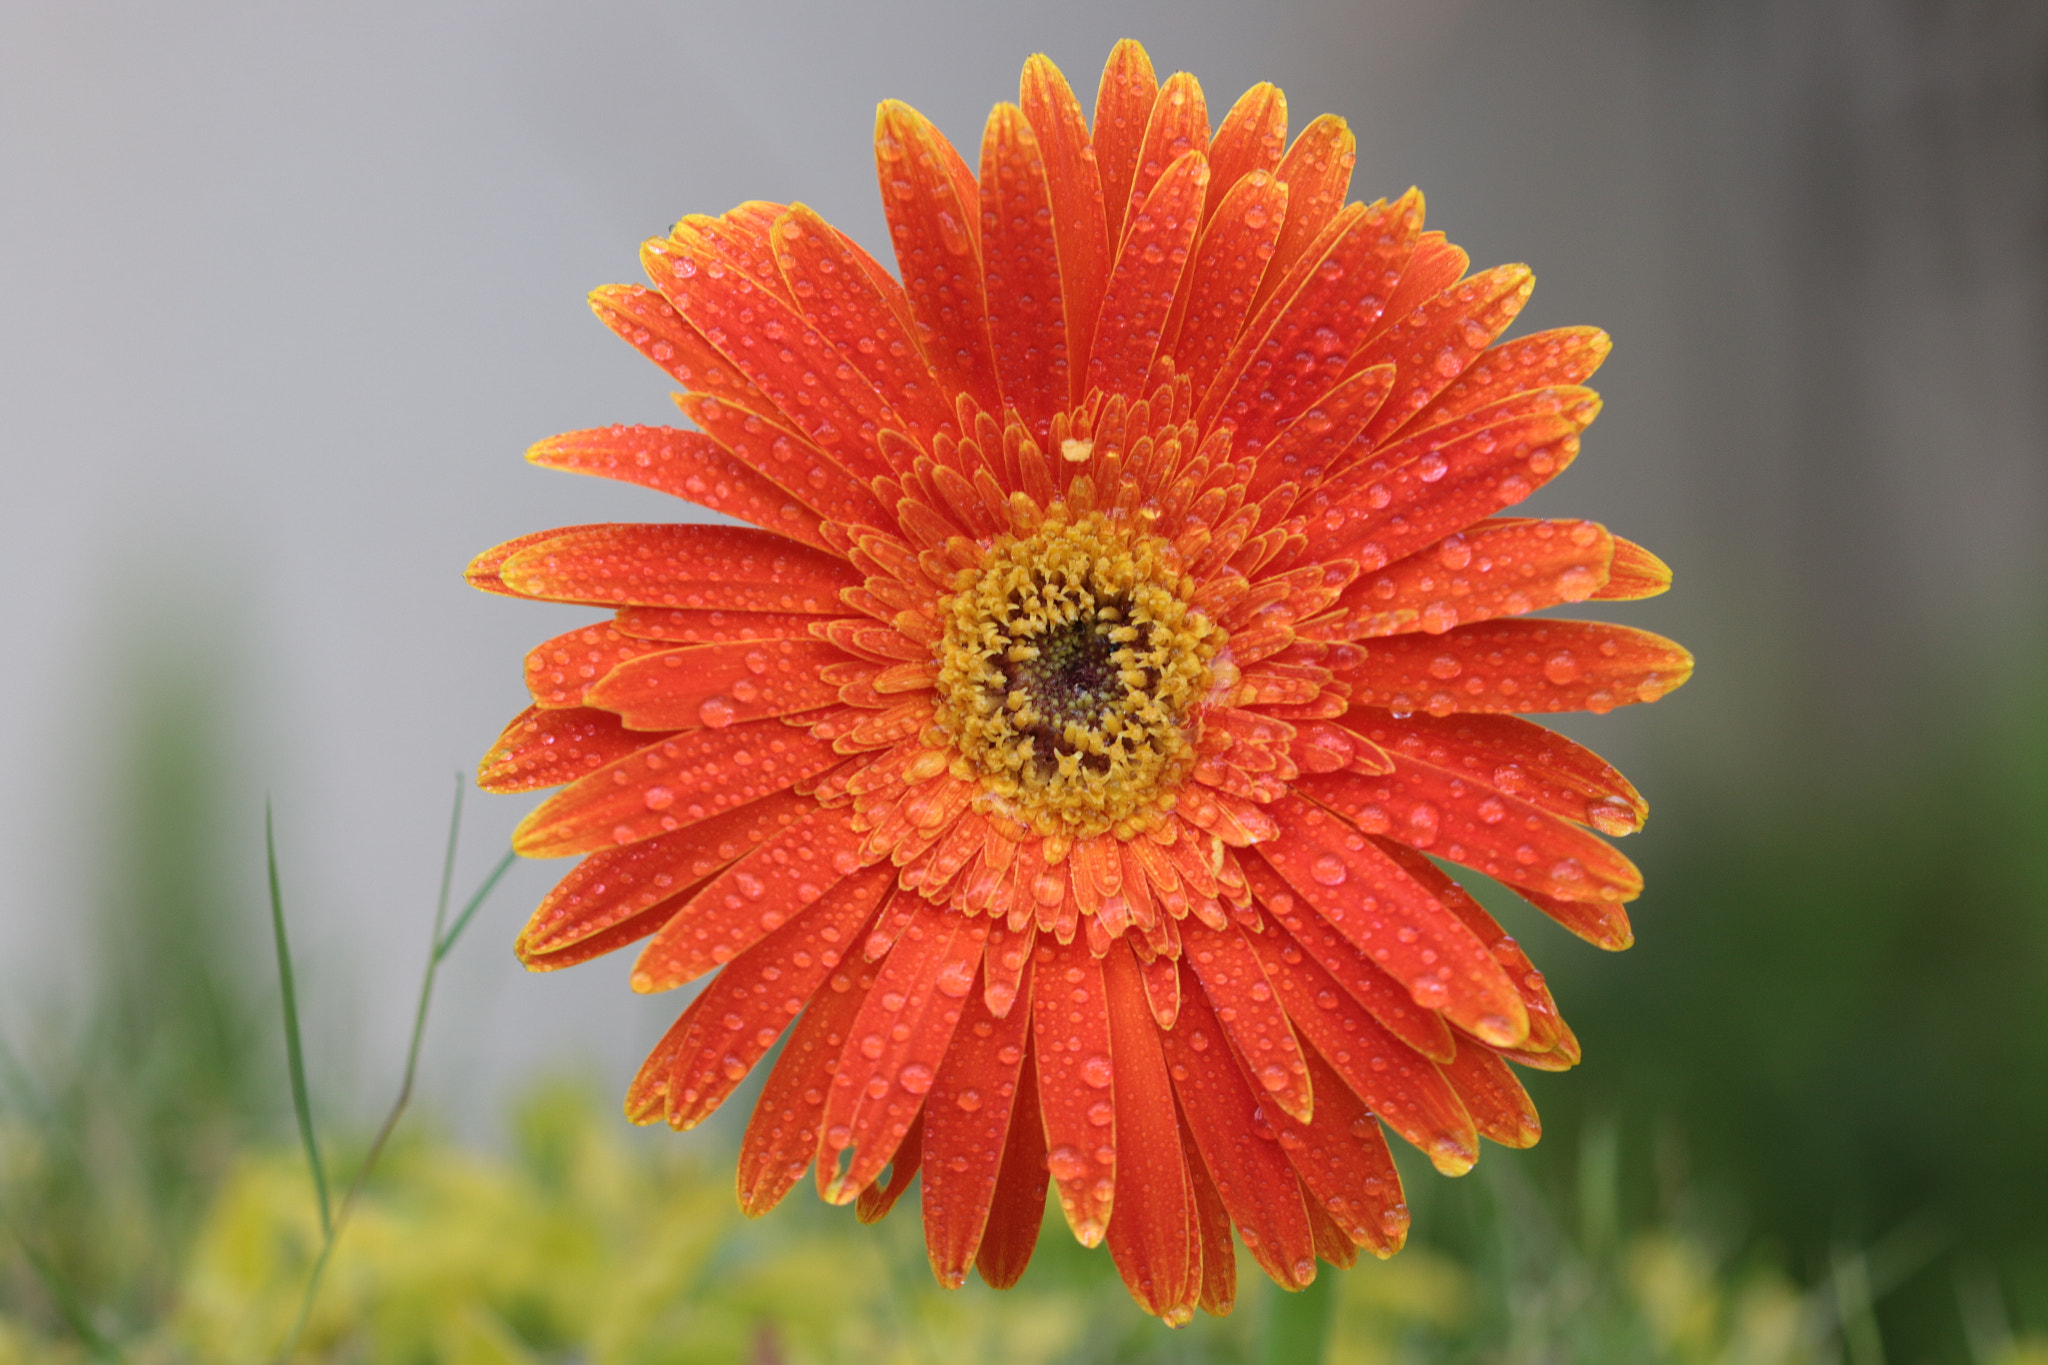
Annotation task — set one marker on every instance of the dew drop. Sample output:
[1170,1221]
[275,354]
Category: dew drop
[1328,870]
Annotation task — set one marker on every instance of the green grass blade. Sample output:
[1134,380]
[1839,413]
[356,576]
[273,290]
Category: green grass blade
[476,903]
[295,1055]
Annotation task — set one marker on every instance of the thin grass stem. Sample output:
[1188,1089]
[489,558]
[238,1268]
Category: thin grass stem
[1298,1324]
[438,947]
[295,1056]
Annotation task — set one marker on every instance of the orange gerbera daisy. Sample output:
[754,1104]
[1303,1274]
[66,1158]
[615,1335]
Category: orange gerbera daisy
[1061,752]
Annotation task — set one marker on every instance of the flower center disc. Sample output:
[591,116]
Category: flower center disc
[1070,669]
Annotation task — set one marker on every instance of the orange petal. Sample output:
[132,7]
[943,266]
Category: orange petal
[652,326]
[687,464]
[547,748]
[1546,1027]
[1212,1225]
[1250,140]
[1377,512]
[1426,807]
[1123,110]
[1018,1208]
[877,1199]
[1343,1160]
[1496,568]
[967,1121]
[1401,1084]
[1020,257]
[775,346]
[718,685]
[666,565]
[483,571]
[1230,259]
[1541,360]
[697,626]
[1515,757]
[1251,1014]
[671,784]
[1311,958]
[785,456]
[1149,268]
[1636,574]
[749,900]
[897,1044]
[1524,667]
[782,1136]
[1435,267]
[1317,172]
[837,285]
[560,672]
[1070,1027]
[1600,923]
[1177,125]
[1395,922]
[1493,1096]
[934,212]
[1251,1173]
[746,1007]
[1440,340]
[1153,1236]
[1079,226]
[1298,349]
[1306,449]
[617,884]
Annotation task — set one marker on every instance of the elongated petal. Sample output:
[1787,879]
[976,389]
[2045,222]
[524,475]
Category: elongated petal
[719,685]
[1231,257]
[877,1199]
[1503,568]
[1212,1225]
[1251,1174]
[837,287]
[1140,294]
[1153,1234]
[1524,667]
[1307,343]
[685,464]
[897,1044]
[545,748]
[1177,125]
[967,1124]
[1018,1209]
[1306,959]
[1123,110]
[782,1136]
[617,884]
[1426,807]
[1076,1082]
[1080,227]
[822,479]
[652,326]
[1636,574]
[1317,173]
[747,1006]
[1395,922]
[660,565]
[1517,758]
[1493,1096]
[750,899]
[934,211]
[1250,1013]
[560,672]
[1440,340]
[1560,356]
[702,626]
[1344,1162]
[1020,257]
[1250,140]
[671,784]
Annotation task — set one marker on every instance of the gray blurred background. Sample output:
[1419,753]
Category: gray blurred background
[285,291]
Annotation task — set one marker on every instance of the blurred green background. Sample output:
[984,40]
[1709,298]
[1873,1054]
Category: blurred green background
[288,292]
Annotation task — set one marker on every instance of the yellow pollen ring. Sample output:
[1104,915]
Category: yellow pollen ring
[1069,673]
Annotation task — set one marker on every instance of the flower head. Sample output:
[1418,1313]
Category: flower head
[1121,628]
